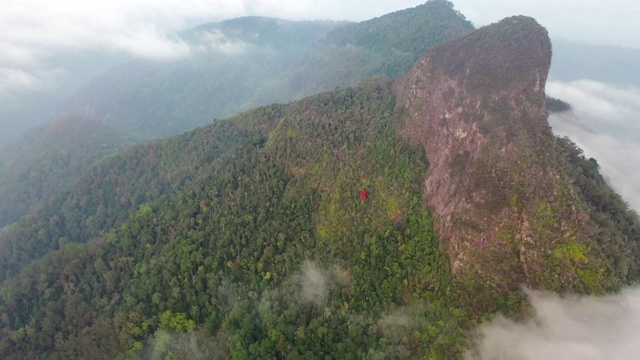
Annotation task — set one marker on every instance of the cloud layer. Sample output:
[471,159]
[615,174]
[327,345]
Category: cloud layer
[605,123]
[32,31]
[588,328]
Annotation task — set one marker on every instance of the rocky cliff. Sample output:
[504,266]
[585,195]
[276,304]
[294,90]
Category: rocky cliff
[506,210]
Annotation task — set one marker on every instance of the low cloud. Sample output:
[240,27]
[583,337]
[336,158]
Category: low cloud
[605,123]
[30,34]
[591,328]
[13,78]
[216,42]
[314,284]
[398,318]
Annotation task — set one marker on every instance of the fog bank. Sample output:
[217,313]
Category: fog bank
[605,123]
[587,328]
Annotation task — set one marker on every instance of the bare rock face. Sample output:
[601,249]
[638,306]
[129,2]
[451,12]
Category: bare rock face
[504,207]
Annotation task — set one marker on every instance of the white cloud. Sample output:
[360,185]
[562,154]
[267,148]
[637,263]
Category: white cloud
[217,42]
[605,123]
[14,80]
[31,30]
[314,284]
[589,328]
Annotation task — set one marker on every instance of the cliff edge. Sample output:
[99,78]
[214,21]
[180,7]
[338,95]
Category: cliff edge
[506,210]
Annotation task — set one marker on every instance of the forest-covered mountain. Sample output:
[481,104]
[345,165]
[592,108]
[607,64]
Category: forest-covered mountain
[499,182]
[49,158]
[233,62]
[236,64]
[242,63]
[381,221]
[384,46]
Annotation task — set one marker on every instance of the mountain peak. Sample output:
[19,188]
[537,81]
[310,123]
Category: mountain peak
[477,106]
[513,54]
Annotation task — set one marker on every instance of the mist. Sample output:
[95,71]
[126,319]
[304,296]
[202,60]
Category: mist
[38,50]
[605,123]
[313,283]
[42,52]
[572,327]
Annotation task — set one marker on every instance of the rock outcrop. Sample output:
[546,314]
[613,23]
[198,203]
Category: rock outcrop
[505,209]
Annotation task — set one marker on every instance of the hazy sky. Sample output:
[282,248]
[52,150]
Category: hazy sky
[605,123]
[31,30]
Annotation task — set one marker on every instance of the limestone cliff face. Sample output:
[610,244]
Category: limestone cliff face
[504,208]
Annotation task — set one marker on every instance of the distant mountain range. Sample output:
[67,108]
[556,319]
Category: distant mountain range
[383,220]
[606,64]
[242,63]
[237,64]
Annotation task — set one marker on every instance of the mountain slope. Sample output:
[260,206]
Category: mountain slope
[220,247]
[302,230]
[508,211]
[388,45]
[242,63]
[49,158]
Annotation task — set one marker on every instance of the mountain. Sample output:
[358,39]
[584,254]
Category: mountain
[499,182]
[160,98]
[49,158]
[230,62]
[24,109]
[608,64]
[250,228]
[388,45]
[381,221]
[52,156]
[242,63]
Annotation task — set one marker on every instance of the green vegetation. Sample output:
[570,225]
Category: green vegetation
[211,243]
[247,239]
[48,159]
[252,238]
[385,46]
[297,59]
[557,105]
[614,227]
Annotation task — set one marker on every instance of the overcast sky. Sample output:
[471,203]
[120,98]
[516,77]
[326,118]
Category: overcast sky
[30,30]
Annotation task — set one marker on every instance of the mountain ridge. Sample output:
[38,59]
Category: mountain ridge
[218,235]
[222,78]
[495,173]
